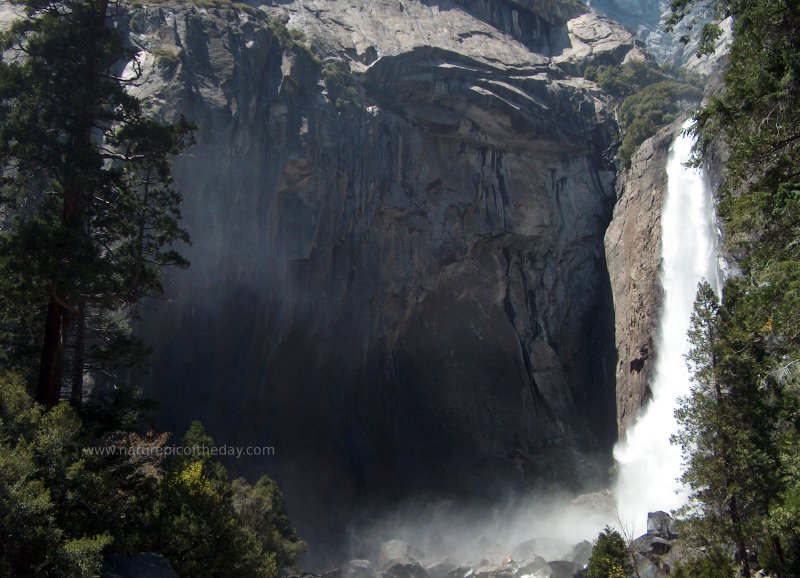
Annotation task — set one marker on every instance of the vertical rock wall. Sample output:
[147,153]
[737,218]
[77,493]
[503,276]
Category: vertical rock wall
[402,288]
[633,253]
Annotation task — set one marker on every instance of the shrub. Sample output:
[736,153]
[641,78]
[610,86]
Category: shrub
[63,506]
[714,564]
[652,97]
[340,85]
[653,107]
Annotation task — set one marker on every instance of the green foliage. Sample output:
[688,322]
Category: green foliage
[340,85]
[211,4]
[655,106]
[757,114]
[652,97]
[38,458]
[262,509]
[209,526]
[90,220]
[92,215]
[714,564]
[200,534]
[610,557]
[631,77]
[731,461]
[751,347]
[291,38]
[84,555]
[65,506]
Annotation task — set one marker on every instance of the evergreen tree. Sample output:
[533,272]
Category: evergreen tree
[86,180]
[89,218]
[731,462]
[262,508]
[208,526]
[610,557]
[741,422]
[40,474]
[68,498]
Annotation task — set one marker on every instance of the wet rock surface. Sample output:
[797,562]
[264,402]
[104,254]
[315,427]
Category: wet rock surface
[633,254]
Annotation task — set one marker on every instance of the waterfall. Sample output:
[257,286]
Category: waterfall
[648,464]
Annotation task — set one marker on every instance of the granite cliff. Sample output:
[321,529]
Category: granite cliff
[398,272]
[633,253]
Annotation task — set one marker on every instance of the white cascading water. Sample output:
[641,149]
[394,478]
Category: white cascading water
[648,464]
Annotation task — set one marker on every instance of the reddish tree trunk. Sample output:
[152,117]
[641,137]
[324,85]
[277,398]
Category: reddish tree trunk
[49,385]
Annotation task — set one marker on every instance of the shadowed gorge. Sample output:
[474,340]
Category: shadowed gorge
[401,286]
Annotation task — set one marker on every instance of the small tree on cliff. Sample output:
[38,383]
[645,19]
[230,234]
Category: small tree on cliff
[86,192]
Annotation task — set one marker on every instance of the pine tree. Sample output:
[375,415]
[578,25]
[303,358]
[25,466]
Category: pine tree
[86,182]
[610,557]
[755,115]
[732,464]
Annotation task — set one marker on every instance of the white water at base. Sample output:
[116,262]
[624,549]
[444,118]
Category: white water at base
[648,465]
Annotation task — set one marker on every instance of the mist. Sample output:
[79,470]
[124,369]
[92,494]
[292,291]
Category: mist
[545,525]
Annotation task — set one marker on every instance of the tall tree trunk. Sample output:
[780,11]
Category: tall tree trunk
[780,558]
[49,385]
[78,362]
[738,536]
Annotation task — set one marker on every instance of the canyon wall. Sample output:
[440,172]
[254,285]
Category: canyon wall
[398,273]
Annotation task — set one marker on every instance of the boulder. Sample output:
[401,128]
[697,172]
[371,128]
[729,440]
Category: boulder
[651,545]
[534,566]
[645,568]
[459,572]
[661,524]
[581,553]
[358,569]
[497,570]
[442,569]
[405,568]
[525,550]
[678,553]
[397,550]
[547,547]
[563,568]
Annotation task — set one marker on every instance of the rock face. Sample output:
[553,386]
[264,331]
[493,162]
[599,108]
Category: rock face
[144,565]
[633,253]
[635,14]
[398,275]
[648,19]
